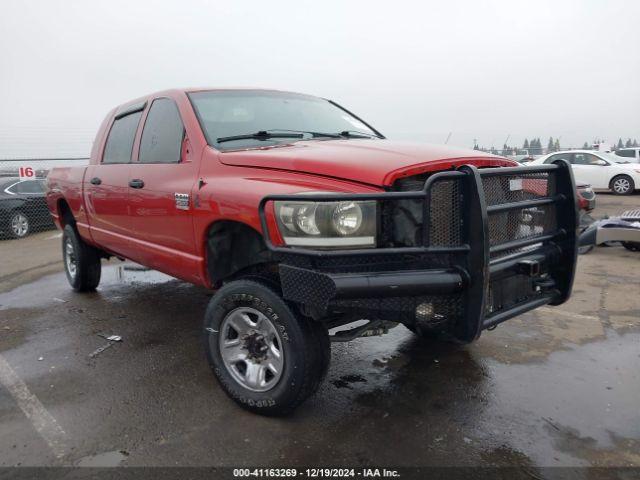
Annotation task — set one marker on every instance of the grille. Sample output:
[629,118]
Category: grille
[444,212]
[404,219]
[516,188]
[519,223]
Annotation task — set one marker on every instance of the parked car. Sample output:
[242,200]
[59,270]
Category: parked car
[305,219]
[601,170]
[23,208]
[630,154]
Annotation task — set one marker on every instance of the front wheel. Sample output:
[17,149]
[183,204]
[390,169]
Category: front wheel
[266,356]
[81,261]
[622,185]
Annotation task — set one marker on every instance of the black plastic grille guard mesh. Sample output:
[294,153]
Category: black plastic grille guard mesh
[446,203]
[403,219]
[521,223]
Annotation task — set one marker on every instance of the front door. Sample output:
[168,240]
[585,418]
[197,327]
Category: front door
[160,195]
[591,169]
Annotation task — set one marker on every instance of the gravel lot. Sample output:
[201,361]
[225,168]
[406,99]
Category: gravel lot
[558,386]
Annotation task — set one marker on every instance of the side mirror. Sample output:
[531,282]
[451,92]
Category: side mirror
[601,163]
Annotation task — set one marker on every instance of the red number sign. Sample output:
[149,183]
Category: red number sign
[27,173]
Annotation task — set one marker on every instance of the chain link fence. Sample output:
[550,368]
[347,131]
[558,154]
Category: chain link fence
[23,208]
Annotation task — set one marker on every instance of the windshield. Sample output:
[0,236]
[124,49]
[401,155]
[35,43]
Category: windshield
[224,114]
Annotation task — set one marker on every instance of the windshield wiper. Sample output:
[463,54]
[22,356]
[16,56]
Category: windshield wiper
[357,134]
[313,134]
[261,135]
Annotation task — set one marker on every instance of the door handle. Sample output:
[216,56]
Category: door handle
[95,181]
[136,183]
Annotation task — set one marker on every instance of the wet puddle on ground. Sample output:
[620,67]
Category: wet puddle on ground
[54,289]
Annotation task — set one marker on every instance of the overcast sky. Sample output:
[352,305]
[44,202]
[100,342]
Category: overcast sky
[416,70]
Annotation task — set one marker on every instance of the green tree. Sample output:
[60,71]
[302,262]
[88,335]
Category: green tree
[556,145]
[550,145]
[629,143]
[635,143]
[585,146]
[525,145]
[620,145]
[538,146]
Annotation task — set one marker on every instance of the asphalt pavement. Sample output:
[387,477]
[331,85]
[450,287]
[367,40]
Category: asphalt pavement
[554,387]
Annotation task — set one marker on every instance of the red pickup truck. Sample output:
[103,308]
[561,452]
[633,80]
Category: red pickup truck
[306,220]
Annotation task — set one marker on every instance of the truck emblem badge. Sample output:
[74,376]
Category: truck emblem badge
[182,201]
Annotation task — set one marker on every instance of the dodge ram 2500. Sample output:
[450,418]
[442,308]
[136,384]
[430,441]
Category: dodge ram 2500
[307,220]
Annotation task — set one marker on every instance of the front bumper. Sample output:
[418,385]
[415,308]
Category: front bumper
[514,249]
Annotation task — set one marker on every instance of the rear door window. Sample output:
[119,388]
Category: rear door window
[29,187]
[120,141]
[163,133]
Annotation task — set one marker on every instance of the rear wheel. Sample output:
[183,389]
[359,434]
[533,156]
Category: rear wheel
[622,185]
[19,225]
[81,261]
[268,357]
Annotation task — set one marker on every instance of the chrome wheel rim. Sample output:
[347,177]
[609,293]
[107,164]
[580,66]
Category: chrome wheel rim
[251,349]
[19,225]
[621,185]
[70,259]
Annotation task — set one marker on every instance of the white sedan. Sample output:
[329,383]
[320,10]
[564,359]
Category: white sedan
[601,170]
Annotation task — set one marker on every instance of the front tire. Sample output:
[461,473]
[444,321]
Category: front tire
[267,357]
[622,185]
[81,261]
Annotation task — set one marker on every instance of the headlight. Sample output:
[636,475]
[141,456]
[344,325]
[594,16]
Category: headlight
[327,224]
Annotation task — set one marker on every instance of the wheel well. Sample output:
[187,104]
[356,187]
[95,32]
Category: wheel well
[65,214]
[234,248]
[619,175]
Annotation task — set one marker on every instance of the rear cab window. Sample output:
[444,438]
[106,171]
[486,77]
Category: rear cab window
[120,140]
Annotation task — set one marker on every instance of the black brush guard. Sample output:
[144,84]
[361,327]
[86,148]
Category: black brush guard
[514,249]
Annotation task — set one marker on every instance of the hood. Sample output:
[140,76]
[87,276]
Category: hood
[374,162]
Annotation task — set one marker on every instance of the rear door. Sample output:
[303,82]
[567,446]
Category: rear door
[160,194]
[107,185]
